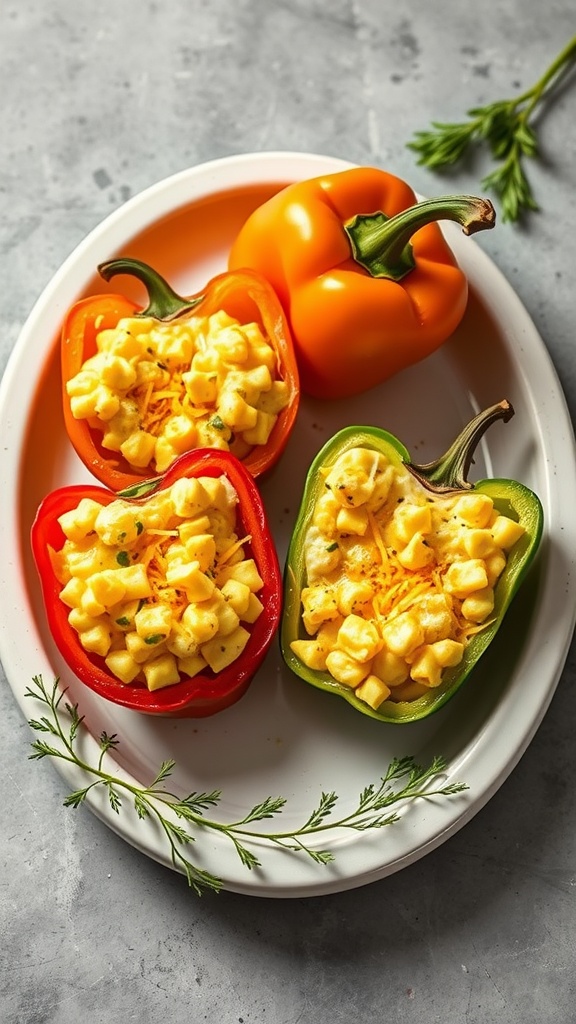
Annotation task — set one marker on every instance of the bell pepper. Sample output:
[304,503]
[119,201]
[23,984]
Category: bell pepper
[363,272]
[364,577]
[132,548]
[244,296]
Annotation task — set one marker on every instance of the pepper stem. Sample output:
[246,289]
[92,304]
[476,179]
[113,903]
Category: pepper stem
[382,246]
[163,302]
[140,490]
[450,472]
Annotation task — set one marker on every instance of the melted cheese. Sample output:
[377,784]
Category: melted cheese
[210,375]
[420,566]
[156,629]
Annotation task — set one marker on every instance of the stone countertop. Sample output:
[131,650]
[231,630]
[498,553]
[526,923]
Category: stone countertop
[100,101]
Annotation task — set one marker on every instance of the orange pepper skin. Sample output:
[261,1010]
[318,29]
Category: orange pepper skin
[351,330]
[244,295]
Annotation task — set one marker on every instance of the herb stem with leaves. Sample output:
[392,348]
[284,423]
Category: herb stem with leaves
[403,781]
[507,127]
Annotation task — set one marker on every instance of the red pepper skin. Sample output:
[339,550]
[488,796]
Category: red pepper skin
[204,694]
[351,330]
[244,295]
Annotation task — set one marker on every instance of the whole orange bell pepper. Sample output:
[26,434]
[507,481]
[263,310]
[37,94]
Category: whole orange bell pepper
[367,281]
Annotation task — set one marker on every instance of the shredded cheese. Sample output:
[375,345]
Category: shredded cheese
[152,624]
[426,561]
[174,385]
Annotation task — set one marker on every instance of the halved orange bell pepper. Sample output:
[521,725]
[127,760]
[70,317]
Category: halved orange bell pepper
[365,276]
[244,295]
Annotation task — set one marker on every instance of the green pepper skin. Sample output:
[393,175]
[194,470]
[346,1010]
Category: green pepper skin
[510,498]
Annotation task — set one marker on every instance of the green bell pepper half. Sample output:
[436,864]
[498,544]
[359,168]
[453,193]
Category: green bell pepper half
[445,475]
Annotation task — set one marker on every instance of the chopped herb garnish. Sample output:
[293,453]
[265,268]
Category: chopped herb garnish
[123,558]
[507,128]
[379,803]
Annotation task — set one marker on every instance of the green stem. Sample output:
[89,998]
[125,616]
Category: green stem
[558,65]
[381,244]
[140,490]
[163,302]
[450,471]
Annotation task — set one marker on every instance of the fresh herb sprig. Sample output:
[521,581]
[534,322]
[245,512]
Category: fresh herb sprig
[403,781]
[506,127]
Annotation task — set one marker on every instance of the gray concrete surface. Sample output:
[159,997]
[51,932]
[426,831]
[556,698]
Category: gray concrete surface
[98,101]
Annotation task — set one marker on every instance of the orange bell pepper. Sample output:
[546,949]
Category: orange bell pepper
[245,295]
[365,276]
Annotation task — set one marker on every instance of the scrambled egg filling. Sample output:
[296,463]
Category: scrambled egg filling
[398,579]
[156,390]
[162,590]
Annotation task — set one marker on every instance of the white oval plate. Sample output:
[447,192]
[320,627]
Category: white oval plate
[285,738]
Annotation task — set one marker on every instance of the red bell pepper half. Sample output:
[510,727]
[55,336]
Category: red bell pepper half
[203,694]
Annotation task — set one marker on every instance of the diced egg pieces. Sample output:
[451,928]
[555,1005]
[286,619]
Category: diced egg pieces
[161,590]
[156,390]
[398,580]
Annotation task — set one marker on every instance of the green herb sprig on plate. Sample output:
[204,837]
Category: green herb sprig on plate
[506,126]
[404,780]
